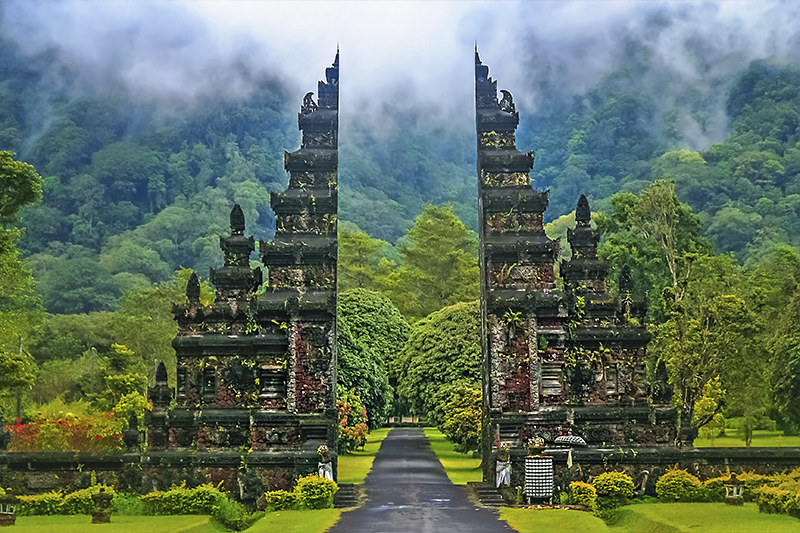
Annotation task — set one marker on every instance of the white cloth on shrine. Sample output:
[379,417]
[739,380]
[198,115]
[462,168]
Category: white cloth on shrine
[325,470]
[503,472]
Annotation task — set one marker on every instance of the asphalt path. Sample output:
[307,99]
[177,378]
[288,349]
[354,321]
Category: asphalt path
[408,491]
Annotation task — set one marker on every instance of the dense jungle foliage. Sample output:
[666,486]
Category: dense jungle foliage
[133,196]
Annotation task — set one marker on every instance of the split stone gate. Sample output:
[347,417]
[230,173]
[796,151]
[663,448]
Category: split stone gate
[255,391]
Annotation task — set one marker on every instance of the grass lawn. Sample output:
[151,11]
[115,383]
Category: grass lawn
[460,467]
[552,521]
[296,522]
[654,518]
[119,524]
[280,522]
[760,438]
[354,467]
[705,517]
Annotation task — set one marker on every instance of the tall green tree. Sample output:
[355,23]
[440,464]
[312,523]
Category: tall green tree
[442,352]
[438,263]
[20,307]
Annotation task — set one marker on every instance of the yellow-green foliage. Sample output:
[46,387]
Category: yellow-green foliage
[80,501]
[180,500]
[311,492]
[48,503]
[678,485]
[316,492]
[581,493]
[280,500]
[614,485]
[781,495]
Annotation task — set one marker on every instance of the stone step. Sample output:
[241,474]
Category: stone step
[346,496]
[487,494]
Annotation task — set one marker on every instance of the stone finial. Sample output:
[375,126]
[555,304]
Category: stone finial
[193,289]
[161,374]
[583,214]
[507,102]
[625,280]
[237,220]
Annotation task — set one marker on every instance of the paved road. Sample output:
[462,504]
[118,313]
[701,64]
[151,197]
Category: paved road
[409,492]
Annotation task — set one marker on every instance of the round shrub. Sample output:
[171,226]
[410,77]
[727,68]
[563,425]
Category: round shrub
[614,485]
[678,485]
[316,492]
[581,493]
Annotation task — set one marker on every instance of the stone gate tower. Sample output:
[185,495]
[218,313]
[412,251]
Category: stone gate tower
[561,357]
[256,370]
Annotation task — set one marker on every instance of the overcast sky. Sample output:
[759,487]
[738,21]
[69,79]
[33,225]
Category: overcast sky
[405,51]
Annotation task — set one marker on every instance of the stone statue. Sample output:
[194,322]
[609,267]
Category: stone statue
[325,466]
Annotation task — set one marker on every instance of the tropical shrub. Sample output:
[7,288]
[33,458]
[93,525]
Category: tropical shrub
[782,499]
[280,500]
[45,504]
[462,418]
[181,500]
[614,485]
[80,501]
[316,492]
[581,493]
[679,486]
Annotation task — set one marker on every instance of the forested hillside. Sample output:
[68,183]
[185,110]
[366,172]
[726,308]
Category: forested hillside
[133,192]
[136,191]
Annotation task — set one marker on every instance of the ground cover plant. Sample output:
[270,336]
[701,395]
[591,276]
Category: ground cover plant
[354,467]
[552,520]
[461,468]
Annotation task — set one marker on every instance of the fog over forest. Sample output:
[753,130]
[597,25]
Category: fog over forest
[137,113]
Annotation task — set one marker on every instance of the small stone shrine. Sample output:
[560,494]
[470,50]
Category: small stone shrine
[256,380]
[557,362]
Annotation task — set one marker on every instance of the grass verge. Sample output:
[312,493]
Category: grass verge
[760,438]
[354,467]
[653,518]
[552,521]
[460,467]
[705,517]
[296,522]
[280,522]
[119,524]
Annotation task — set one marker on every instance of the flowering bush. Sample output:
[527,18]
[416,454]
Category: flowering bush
[352,421]
[67,433]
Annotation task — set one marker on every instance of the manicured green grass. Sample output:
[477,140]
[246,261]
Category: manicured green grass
[296,522]
[654,518]
[280,522]
[353,468]
[552,521]
[705,517]
[760,438]
[460,467]
[119,524]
